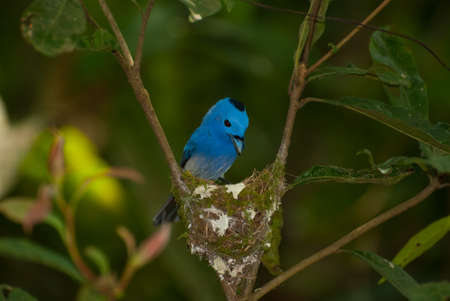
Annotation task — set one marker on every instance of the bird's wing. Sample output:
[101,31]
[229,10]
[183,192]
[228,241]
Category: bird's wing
[187,153]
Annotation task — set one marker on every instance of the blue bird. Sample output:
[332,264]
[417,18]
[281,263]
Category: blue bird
[212,148]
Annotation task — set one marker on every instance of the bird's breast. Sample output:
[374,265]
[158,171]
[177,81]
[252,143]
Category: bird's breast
[209,167]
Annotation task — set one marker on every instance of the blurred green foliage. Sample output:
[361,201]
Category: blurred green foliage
[246,54]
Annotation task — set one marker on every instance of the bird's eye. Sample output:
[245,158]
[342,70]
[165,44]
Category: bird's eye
[227,123]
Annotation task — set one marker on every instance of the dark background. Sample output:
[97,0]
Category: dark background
[245,54]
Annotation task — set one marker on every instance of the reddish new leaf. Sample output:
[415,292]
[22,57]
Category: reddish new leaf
[39,210]
[153,246]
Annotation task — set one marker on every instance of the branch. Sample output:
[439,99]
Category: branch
[297,86]
[140,45]
[348,37]
[134,78]
[334,247]
[121,40]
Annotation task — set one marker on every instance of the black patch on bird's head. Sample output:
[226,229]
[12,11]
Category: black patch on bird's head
[239,105]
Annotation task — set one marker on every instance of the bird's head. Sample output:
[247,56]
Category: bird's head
[228,118]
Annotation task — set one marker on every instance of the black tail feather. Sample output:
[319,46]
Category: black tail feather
[168,212]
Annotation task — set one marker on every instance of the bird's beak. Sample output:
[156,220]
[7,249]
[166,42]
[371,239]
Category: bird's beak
[238,143]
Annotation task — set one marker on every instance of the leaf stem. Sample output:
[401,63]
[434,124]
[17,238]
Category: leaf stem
[354,234]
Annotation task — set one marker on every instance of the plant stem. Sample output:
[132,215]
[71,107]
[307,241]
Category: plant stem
[297,85]
[134,78]
[334,247]
[73,248]
[349,36]
[127,274]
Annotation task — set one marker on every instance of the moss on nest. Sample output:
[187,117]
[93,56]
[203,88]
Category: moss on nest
[231,224]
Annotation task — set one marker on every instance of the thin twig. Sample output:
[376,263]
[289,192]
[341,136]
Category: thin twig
[87,15]
[140,45]
[115,28]
[297,86]
[348,37]
[334,247]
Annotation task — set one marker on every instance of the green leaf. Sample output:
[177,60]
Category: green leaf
[271,256]
[200,9]
[26,250]
[389,77]
[380,73]
[422,242]
[20,295]
[99,258]
[305,28]
[319,174]
[398,118]
[401,280]
[17,208]
[99,40]
[433,291]
[53,26]
[436,158]
[326,72]
[15,294]
[390,51]
[87,293]
[82,159]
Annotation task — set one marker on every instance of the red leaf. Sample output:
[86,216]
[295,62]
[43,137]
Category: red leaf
[152,246]
[39,210]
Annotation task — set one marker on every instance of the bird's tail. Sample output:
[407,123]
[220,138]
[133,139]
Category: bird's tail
[168,212]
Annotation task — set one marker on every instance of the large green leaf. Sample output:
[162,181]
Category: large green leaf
[326,72]
[398,118]
[379,73]
[421,242]
[53,26]
[15,294]
[26,250]
[388,174]
[433,291]
[390,51]
[401,280]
